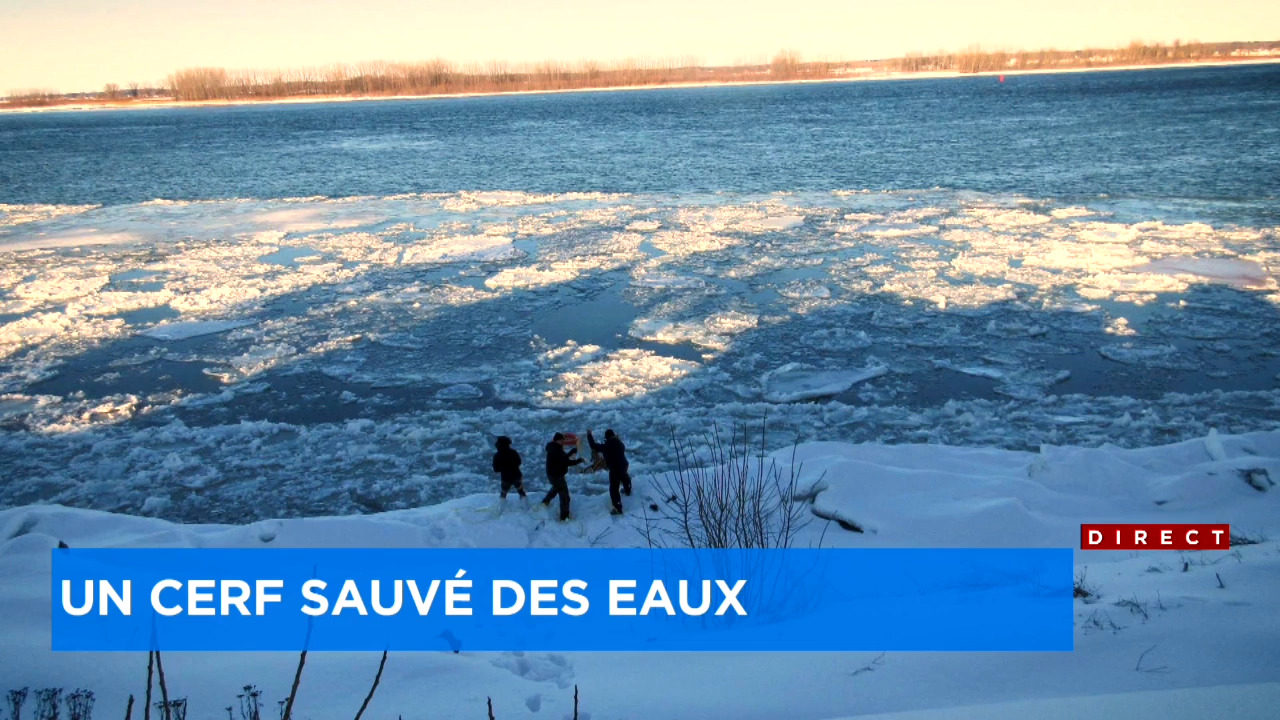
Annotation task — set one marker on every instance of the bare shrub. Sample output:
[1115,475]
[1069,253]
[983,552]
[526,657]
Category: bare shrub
[16,699]
[176,709]
[34,97]
[80,705]
[1134,607]
[48,703]
[1100,621]
[731,495]
[250,703]
[786,65]
[1082,590]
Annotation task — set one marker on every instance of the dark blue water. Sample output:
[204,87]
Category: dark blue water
[1190,134]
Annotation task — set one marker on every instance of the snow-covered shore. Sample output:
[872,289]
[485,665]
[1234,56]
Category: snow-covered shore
[1160,633]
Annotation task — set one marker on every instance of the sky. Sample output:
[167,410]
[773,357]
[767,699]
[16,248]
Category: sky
[77,45]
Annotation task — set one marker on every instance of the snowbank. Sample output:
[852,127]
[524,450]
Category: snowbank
[1159,634]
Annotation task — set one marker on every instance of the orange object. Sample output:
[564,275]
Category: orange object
[570,440]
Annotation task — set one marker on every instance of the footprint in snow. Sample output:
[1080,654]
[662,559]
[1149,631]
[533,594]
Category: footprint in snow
[538,667]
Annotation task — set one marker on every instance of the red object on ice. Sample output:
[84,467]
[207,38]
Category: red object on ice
[570,440]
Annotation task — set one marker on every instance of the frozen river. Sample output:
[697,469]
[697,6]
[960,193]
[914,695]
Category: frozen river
[174,344]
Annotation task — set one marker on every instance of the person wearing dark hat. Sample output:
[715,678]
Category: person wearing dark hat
[558,464]
[615,457]
[507,462]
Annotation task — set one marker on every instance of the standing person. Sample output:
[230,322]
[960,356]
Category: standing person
[507,462]
[615,457]
[558,464]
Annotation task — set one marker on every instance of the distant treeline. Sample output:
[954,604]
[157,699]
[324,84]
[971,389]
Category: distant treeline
[976,60]
[437,77]
[441,77]
[35,97]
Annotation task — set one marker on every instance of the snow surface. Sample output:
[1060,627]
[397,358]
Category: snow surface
[1158,635]
[1228,701]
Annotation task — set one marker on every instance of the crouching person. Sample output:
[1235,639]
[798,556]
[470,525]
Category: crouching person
[558,464]
[507,462]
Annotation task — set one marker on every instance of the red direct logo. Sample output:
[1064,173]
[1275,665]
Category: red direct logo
[1201,536]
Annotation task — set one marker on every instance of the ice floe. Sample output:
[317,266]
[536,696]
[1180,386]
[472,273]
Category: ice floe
[193,328]
[794,382]
[297,314]
[483,248]
[1232,271]
[620,374]
[1160,356]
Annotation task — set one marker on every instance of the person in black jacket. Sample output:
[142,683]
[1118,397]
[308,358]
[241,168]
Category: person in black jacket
[507,462]
[615,457]
[558,464]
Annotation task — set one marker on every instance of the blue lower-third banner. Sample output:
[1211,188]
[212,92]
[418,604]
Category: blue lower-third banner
[466,600]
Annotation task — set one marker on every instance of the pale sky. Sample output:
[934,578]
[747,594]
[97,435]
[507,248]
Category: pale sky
[72,45]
